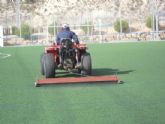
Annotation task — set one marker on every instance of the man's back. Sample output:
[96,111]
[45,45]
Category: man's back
[66,34]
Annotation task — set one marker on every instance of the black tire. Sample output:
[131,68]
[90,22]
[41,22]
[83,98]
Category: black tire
[49,66]
[79,71]
[86,63]
[42,63]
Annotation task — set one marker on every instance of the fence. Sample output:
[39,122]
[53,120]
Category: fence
[91,26]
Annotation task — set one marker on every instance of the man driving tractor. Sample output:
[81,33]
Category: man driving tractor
[65,33]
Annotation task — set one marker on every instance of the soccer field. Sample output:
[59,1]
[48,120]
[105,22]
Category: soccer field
[139,100]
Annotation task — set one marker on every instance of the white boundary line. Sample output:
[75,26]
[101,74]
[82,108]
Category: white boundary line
[4,55]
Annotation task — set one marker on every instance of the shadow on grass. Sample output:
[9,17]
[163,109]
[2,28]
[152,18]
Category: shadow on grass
[108,71]
[95,72]
[78,85]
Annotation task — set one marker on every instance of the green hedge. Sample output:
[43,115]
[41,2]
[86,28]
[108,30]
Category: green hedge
[87,27]
[51,29]
[15,30]
[149,22]
[125,25]
[25,31]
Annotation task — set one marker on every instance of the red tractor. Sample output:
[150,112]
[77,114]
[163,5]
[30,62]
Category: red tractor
[74,56]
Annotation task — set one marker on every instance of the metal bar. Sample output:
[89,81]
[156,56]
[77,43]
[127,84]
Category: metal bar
[73,80]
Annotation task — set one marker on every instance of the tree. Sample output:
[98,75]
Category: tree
[124,25]
[30,1]
[149,22]
[87,27]
[25,31]
[15,30]
[52,28]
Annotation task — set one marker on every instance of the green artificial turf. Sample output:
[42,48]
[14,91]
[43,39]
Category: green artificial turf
[140,100]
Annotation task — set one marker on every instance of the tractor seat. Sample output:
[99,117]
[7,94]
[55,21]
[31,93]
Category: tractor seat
[66,43]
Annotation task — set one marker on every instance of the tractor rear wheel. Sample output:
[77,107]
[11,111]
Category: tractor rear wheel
[86,64]
[49,66]
[42,63]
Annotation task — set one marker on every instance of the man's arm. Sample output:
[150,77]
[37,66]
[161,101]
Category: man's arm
[75,38]
[57,39]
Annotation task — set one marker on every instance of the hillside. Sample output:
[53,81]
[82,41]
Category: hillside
[43,12]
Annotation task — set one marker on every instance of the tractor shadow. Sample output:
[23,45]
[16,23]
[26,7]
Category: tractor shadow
[95,72]
[109,71]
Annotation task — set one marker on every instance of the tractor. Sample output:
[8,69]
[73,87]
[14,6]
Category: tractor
[74,57]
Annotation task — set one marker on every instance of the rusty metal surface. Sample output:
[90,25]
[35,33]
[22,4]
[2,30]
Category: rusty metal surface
[90,79]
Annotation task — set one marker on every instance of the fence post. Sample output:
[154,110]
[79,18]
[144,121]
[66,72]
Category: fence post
[120,23]
[1,36]
[100,30]
[54,26]
[47,31]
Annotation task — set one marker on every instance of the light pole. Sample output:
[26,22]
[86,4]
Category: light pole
[156,16]
[154,7]
[100,30]
[18,16]
[120,20]
[6,23]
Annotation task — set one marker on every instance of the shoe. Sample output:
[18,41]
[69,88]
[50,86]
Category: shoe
[60,66]
[78,65]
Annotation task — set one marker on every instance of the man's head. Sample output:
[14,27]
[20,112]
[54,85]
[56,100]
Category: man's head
[65,27]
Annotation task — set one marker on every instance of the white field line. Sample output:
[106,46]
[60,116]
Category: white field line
[4,55]
[92,42]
